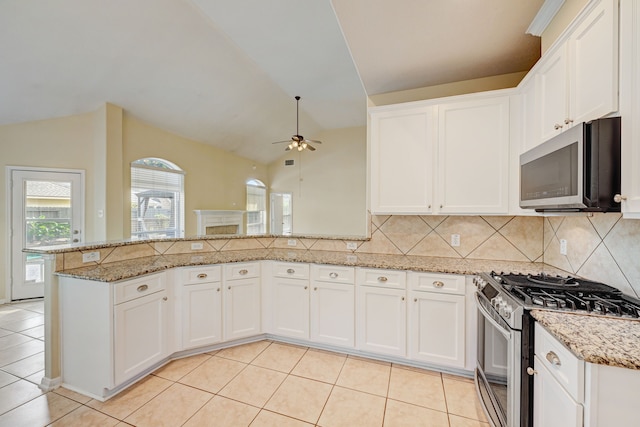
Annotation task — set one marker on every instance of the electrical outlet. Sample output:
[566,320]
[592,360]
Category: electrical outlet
[91,256]
[197,246]
[352,258]
[455,240]
[292,242]
[352,246]
[563,246]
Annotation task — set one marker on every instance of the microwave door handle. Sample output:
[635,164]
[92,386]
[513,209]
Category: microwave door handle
[506,333]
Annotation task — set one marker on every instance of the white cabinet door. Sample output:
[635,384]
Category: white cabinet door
[553,93]
[473,154]
[290,307]
[401,160]
[333,314]
[242,308]
[552,405]
[594,64]
[630,105]
[437,328]
[381,325]
[140,334]
[201,314]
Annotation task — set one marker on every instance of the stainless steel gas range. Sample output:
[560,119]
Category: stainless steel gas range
[506,333]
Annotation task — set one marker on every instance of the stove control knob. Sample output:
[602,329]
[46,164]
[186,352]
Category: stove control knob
[507,312]
[496,301]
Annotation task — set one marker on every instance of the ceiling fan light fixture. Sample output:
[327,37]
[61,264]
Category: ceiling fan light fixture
[298,141]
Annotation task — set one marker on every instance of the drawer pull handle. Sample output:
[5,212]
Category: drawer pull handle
[333,275]
[290,270]
[382,279]
[143,288]
[553,358]
[202,276]
[438,284]
[243,272]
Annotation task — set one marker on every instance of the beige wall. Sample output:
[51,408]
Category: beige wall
[65,143]
[503,81]
[563,18]
[328,185]
[215,179]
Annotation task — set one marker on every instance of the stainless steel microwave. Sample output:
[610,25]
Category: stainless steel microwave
[577,170]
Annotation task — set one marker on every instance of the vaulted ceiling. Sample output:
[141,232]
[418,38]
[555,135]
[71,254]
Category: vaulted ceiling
[225,72]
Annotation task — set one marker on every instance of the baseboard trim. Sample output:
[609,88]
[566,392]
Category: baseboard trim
[48,384]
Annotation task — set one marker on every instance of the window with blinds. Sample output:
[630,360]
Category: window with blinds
[157,199]
[256,207]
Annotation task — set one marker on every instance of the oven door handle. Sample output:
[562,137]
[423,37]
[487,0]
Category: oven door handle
[505,332]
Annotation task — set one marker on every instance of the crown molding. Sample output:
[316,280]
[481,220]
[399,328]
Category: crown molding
[544,16]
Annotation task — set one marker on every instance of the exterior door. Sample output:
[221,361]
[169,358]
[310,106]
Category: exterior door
[46,210]
[281,214]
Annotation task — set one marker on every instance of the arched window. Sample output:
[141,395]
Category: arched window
[157,199]
[256,207]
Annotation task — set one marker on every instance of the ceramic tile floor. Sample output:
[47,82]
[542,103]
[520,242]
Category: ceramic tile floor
[259,384]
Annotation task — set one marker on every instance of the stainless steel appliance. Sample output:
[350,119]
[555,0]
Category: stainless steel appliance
[577,170]
[506,333]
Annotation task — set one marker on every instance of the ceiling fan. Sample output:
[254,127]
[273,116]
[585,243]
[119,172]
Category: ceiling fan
[297,141]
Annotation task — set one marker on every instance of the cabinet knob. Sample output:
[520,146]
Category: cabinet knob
[333,275]
[568,121]
[402,298]
[315,289]
[218,289]
[202,276]
[306,287]
[441,206]
[618,198]
[290,270]
[243,272]
[229,288]
[164,299]
[382,279]
[438,284]
[429,207]
[415,300]
[531,371]
[557,126]
[142,288]
[553,358]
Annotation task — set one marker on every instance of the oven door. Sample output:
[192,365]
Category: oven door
[497,375]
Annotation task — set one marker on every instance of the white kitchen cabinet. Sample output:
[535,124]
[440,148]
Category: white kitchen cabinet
[140,339]
[437,319]
[241,300]
[473,156]
[571,392]
[433,157]
[578,80]
[381,312]
[112,332]
[201,306]
[401,145]
[630,106]
[332,305]
[290,300]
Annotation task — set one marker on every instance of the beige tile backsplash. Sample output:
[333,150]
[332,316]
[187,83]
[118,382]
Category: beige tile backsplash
[601,247]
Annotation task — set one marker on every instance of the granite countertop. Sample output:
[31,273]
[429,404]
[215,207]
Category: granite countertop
[595,339]
[121,270]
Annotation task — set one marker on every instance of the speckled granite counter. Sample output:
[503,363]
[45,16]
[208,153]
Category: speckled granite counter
[595,339]
[135,267]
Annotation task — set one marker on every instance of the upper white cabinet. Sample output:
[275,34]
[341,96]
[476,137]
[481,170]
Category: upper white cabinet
[473,156]
[630,105]
[578,80]
[401,159]
[432,157]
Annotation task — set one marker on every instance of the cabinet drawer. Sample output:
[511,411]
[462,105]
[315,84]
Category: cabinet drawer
[333,274]
[563,365]
[136,288]
[384,278]
[195,275]
[294,270]
[441,283]
[241,270]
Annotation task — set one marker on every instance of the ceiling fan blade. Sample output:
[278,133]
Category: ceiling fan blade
[280,142]
[310,147]
[313,140]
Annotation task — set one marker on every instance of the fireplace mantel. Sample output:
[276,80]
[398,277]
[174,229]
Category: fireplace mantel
[213,222]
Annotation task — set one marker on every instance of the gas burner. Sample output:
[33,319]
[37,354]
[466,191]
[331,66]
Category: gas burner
[547,280]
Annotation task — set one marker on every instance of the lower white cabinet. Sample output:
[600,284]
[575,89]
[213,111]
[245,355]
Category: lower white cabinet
[290,307]
[242,300]
[140,338]
[381,312]
[332,305]
[437,319]
[201,289]
[553,405]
